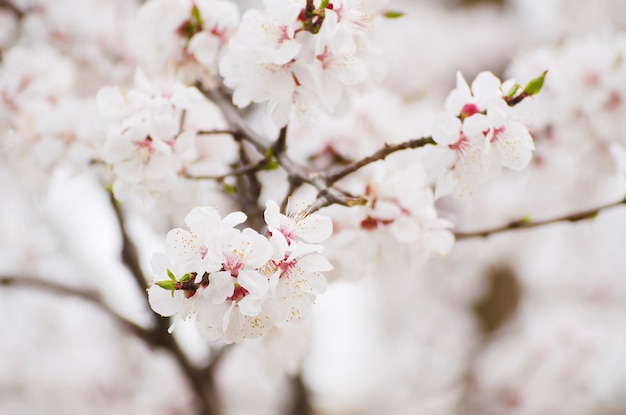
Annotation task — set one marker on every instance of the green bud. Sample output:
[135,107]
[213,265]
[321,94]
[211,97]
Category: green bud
[534,86]
[393,14]
[195,15]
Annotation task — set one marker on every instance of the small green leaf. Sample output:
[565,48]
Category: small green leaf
[272,162]
[109,188]
[229,188]
[324,4]
[534,86]
[526,219]
[167,285]
[171,275]
[393,14]
[185,278]
[195,15]
[513,91]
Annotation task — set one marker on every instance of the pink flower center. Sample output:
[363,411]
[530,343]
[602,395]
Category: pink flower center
[461,144]
[238,293]
[468,110]
[234,265]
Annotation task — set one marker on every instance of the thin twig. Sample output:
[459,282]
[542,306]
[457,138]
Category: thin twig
[130,258]
[342,172]
[5,4]
[91,297]
[216,132]
[252,167]
[526,224]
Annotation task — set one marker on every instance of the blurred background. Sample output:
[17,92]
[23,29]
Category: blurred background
[525,322]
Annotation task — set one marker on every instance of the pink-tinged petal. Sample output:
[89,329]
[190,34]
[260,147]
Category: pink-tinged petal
[188,97]
[160,167]
[162,302]
[476,126]
[515,146]
[446,129]
[111,102]
[130,170]
[315,228]
[317,283]
[256,284]
[257,248]
[233,219]
[203,221]
[221,287]
[446,183]
[486,88]
[160,263]
[460,96]
[314,263]
[272,214]
[181,245]
[226,320]
[250,306]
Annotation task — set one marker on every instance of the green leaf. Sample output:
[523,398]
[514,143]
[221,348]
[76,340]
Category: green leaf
[272,162]
[166,284]
[513,91]
[229,188]
[324,4]
[393,14]
[196,16]
[534,86]
[185,278]
[171,275]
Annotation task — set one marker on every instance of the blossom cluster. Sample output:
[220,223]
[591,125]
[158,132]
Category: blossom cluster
[237,284]
[301,60]
[185,37]
[480,132]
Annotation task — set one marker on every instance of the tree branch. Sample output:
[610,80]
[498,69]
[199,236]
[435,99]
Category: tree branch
[130,258]
[5,4]
[342,172]
[526,224]
[248,168]
[88,296]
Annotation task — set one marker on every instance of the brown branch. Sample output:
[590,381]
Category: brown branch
[216,132]
[342,172]
[301,403]
[130,258]
[280,146]
[203,388]
[526,224]
[248,168]
[5,4]
[91,297]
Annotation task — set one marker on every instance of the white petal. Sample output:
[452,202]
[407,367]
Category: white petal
[162,302]
[446,129]
[256,284]
[220,287]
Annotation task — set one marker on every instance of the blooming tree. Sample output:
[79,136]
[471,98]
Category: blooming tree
[251,157]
